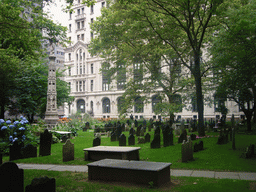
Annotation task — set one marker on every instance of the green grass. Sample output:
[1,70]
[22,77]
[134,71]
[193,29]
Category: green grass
[73,181]
[214,157]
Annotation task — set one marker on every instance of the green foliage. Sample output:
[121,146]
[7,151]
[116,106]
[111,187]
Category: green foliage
[21,26]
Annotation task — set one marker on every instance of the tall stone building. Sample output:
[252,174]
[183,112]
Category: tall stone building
[89,85]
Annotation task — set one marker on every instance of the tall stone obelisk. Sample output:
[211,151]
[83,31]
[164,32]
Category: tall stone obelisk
[51,114]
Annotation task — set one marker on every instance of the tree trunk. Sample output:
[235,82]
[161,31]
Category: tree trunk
[199,94]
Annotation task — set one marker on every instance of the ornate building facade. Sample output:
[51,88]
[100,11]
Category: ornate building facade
[89,85]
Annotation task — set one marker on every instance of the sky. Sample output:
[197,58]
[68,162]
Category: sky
[56,13]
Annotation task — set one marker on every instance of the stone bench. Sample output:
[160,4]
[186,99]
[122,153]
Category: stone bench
[111,152]
[139,172]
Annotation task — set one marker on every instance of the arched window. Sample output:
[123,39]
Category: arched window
[120,103]
[81,106]
[155,99]
[106,105]
[139,106]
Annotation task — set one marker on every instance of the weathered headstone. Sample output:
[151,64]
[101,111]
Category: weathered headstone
[171,137]
[15,151]
[42,184]
[187,150]
[147,138]
[233,139]
[11,178]
[113,136]
[122,140]
[131,131]
[29,151]
[193,137]
[199,146]
[182,137]
[138,131]
[96,141]
[157,130]
[68,151]
[156,142]
[166,137]
[45,143]
[142,132]
[136,123]
[131,140]
[249,151]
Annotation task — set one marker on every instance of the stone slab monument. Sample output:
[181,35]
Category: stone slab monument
[51,114]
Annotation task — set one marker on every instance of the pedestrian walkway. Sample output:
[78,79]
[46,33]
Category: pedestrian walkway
[174,172]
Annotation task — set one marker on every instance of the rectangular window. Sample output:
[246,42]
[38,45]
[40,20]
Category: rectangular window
[69,84]
[78,25]
[82,10]
[69,27]
[81,69]
[91,20]
[91,9]
[84,68]
[69,72]
[77,69]
[82,23]
[91,85]
[77,86]
[69,56]
[103,4]
[70,15]
[78,1]
[83,85]
[91,35]
[80,86]
[78,11]
[78,37]
[92,68]
[69,38]
[82,37]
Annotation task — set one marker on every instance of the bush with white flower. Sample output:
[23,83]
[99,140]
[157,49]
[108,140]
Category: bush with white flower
[16,131]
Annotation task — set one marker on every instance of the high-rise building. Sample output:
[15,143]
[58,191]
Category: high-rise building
[90,86]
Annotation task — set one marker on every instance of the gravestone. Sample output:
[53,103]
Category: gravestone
[11,178]
[166,137]
[199,146]
[68,151]
[131,140]
[183,136]
[233,139]
[131,131]
[42,184]
[96,141]
[249,151]
[187,150]
[144,123]
[113,136]
[122,140]
[136,123]
[141,140]
[87,125]
[45,143]
[156,142]
[15,151]
[29,151]
[118,131]
[157,130]
[1,158]
[142,132]
[138,131]
[147,138]
[171,137]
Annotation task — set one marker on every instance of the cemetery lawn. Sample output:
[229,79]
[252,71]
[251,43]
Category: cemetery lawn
[73,181]
[214,157]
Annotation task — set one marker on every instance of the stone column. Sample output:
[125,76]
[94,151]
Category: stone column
[51,114]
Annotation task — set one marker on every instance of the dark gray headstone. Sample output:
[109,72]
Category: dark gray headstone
[147,138]
[183,136]
[96,141]
[113,137]
[11,178]
[45,143]
[166,137]
[171,137]
[156,142]
[42,184]
[68,151]
[193,137]
[136,123]
[131,140]
[122,140]
[15,151]
[157,131]
[29,151]
[131,131]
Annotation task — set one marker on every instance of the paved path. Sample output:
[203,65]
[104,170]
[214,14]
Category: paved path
[174,172]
